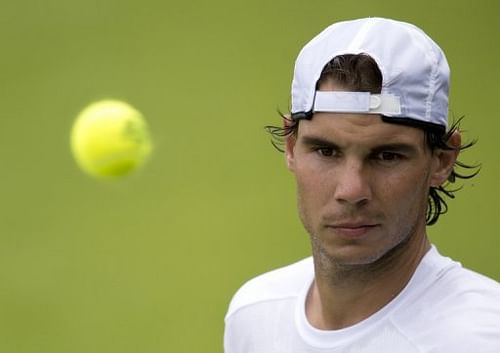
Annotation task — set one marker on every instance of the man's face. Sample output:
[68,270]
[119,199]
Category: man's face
[362,184]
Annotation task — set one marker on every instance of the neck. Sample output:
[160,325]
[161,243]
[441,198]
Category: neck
[344,295]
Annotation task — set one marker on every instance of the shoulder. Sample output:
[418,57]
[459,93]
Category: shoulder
[282,283]
[458,312]
[445,285]
[472,298]
[470,291]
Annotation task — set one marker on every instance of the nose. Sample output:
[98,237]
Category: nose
[352,184]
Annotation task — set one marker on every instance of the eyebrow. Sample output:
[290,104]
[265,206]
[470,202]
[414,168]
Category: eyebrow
[402,147]
[318,141]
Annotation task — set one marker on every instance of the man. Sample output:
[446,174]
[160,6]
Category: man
[369,145]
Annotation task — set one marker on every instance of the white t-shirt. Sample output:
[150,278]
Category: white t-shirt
[443,309]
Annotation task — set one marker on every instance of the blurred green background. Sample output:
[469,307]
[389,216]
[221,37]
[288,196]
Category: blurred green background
[148,264]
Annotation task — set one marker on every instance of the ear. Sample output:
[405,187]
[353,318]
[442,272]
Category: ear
[445,160]
[290,141]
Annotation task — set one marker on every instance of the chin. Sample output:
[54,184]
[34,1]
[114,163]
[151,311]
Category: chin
[356,254]
[355,258]
[347,255]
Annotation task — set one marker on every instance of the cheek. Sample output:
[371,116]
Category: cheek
[407,193]
[313,193]
[313,184]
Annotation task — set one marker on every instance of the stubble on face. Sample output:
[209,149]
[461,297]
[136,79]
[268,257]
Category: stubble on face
[338,270]
[402,227]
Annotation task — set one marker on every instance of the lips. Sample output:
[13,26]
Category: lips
[353,229]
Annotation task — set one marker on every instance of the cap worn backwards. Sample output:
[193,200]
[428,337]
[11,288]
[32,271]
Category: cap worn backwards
[415,72]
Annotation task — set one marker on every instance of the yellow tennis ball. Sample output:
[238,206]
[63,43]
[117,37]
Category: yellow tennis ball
[110,139]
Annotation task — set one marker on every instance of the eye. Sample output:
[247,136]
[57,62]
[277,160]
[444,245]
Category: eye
[388,157]
[325,151]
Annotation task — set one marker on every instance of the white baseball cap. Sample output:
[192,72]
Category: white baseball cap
[415,72]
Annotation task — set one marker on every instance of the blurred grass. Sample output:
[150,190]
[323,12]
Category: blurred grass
[148,264]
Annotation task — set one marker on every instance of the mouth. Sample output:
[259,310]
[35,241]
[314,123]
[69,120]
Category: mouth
[353,229]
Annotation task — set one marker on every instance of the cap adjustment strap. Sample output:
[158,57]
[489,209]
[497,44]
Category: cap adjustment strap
[356,102]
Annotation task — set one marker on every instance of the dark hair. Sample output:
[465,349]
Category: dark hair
[361,73]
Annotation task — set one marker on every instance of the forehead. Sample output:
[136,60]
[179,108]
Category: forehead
[358,129]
